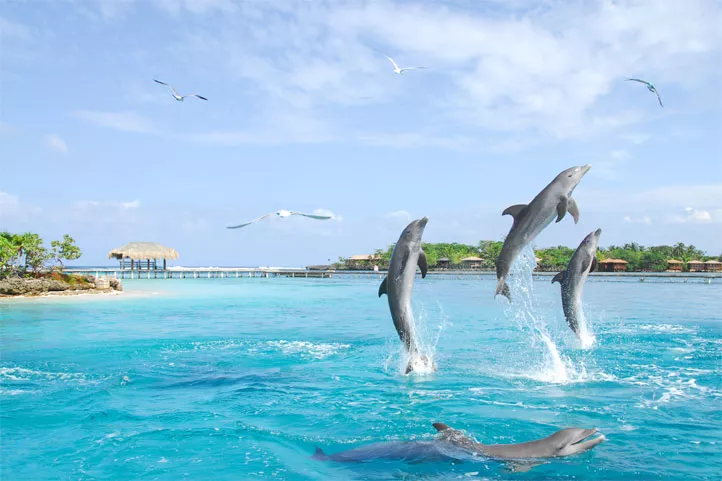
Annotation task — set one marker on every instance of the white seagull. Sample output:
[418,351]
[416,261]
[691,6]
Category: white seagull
[398,70]
[176,95]
[281,213]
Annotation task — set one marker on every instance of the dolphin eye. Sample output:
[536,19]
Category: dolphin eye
[569,175]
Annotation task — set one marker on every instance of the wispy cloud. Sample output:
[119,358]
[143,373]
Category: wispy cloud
[56,143]
[12,208]
[126,121]
[693,215]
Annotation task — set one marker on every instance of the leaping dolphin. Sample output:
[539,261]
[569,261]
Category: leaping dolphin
[452,444]
[529,220]
[399,283]
[583,261]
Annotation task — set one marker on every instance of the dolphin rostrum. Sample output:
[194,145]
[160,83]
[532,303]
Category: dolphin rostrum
[399,283]
[452,444]
[583,261]
[529,220]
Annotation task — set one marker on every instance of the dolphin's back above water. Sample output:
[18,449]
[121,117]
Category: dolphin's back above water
[554,200]
[452,444]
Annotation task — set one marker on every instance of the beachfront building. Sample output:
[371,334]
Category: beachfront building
[361,262]
[142,255]
[613,265]
[443,263]
[695,266]
[673,265]
[471,262]
[713,266]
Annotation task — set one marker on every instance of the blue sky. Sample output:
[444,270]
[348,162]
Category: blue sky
[305,113]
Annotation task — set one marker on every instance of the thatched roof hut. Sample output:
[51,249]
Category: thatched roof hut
[138,251]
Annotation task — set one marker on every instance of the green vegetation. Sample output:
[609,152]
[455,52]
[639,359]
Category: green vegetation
[23,255]
[639,258]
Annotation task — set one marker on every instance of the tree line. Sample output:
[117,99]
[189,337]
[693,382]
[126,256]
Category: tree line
[23,255]
[638,257]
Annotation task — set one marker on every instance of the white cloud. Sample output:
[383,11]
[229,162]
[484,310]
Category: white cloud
[56,143]
[692,215]
[126,121]
[12,208]
[399,214]
[553,68]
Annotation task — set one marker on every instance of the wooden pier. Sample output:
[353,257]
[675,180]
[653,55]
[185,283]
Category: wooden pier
[300,273]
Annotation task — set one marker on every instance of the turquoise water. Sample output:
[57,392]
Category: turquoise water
[242,379]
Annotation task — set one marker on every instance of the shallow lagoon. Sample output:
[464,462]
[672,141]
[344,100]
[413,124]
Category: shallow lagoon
[241,379]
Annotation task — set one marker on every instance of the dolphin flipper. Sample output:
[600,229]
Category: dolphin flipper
[594,264]
[423,264]
[521,466]
[562,208]
[382,287]
[573,209]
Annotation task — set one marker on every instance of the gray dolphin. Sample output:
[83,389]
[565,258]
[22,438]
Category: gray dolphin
[399,283]
[452,444]
[583,261]
[529,220]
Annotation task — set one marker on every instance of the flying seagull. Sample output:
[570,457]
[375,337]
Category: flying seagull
[177,96]
[281,213]
[650,87]
[398,70]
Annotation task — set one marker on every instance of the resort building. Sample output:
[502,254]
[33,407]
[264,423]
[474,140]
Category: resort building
[471,262]
[673,265]
[613,265]
[713,266]
[361,262]
[695,266]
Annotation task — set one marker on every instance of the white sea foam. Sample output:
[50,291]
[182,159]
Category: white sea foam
[305,348]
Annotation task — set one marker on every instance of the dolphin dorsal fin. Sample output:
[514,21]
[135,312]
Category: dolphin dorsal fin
[441,427]
[559,277]
[514,210]
[562,207]
[382,287]
[594,264]
[423,264]
[573,209]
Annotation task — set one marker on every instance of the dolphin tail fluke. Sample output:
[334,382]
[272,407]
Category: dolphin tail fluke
[503,288]
[320,455]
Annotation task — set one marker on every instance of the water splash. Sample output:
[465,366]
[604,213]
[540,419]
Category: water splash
[586,336]
[523,310]
[422,362]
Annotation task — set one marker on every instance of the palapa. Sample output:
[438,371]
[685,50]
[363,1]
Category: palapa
[143,251]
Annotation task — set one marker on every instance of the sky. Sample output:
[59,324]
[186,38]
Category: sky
[305,113]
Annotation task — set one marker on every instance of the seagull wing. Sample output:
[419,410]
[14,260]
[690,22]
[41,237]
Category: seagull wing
[640,81]
[196,95]
[658,97]
[392,61]
[249,222]
[167,85]
[313,216]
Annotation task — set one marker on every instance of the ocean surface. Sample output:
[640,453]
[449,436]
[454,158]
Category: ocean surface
[243,378]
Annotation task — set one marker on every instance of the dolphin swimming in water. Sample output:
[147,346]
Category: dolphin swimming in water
[399,283]
[452,444]
[583,261]
[529,220]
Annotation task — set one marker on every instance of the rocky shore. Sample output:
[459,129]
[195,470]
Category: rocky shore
[59,285]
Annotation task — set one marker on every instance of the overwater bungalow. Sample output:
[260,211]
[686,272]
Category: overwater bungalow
[673,265]
[613,265]
[695,266]
[443,263]
[472,262]
[713,266]
[142,255]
